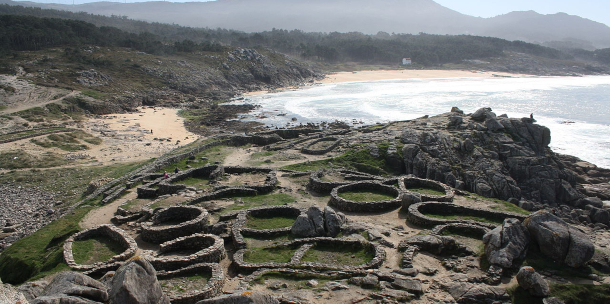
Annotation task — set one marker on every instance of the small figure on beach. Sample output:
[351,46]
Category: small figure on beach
[165,175]
[150,131]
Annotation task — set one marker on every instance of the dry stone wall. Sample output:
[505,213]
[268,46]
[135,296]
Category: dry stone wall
[194,220]
[110,231]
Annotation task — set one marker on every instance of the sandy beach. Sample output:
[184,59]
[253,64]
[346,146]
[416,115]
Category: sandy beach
[376,75]
[402,74]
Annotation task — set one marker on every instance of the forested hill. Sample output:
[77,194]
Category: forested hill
[366,16]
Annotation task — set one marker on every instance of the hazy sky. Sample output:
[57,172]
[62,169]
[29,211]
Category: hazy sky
[596,10]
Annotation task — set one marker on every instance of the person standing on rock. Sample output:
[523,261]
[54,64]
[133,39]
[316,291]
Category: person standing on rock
[165,175]
[176,170]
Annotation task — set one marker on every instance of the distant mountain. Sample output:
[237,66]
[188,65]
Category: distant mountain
[398,16]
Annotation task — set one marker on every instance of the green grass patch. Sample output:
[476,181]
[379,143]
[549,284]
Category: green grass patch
[581,294]
[14,136]
[68,184]
[93,94]
[50,112]
[254,241]
[269,222]
[19,159]
[354,159]
[466,217]
[95,249]
[197,182]
[276,254]
[214,154]
[501,204]
[271,199]
[133,204]
[68,141]
[537,260]
[426,191]
[41,252]
[338,255]
[366,195]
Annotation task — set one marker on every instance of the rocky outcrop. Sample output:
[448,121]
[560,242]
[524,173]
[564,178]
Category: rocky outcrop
[468,293]
[558,240]
[490,155]
[507,243]
[73,288]
[316,222]
[8,294]
[243,298]
[136,282]
[533,282]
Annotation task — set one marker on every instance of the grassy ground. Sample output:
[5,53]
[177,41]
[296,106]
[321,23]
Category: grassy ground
[68,141]
[19,159]
[568,293]
[28,132]
[359,159]
[96,249]
[366,196]
[338,255]
[184,284]
[269,222]
[498,204]
[537,260]
[278,254]
[68,183]
[427,191]
[40,253]
[272,199]
[135,204]
[214,154]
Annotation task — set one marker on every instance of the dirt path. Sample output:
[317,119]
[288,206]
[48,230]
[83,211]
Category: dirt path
[103,214]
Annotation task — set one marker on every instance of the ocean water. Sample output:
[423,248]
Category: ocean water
[575,109]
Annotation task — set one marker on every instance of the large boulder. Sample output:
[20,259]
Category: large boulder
[533,282]
[507,244]
[316,215]
[558,240]
[73,288]
[333,221]
[8,294]
[136,283]
[468,293]
[303,226]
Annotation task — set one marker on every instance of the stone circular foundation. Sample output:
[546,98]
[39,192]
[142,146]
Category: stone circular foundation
[305,245]
[239,226]
[416,214]
[110,231]
[409,182]
[356,206]
[211,289]
[192,220]
[307,150]
[209,249]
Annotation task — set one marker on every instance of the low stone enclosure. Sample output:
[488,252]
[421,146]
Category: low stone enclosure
[308,149]
[301,247]
[211,289]
[407,183]
[239,226]
[176,221]
[213,173]
[416,215]
[109,231]
[358,206]
[208,248]
[318,185]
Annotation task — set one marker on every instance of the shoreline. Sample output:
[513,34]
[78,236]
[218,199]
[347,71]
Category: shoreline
[378,75]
